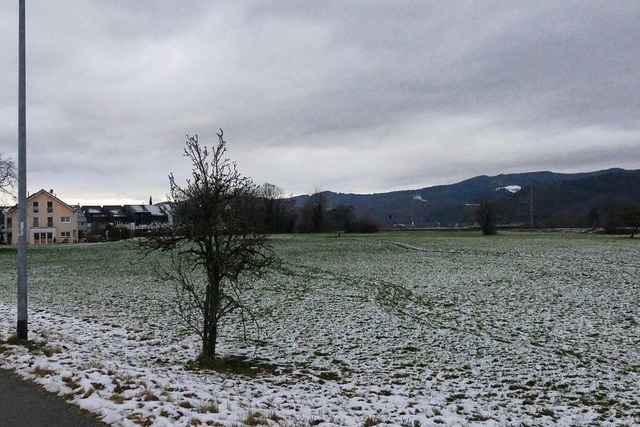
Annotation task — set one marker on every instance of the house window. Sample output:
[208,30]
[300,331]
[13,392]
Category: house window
[35,208]
[65,219]
[49,221]
[35,222]
[65,234]
[49,207]
[9,222]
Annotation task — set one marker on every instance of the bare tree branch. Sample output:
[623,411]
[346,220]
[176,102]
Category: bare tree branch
[8,175]
[214,249]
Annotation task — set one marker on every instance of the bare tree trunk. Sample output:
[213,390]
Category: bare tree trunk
[206,322]
[212,315]
[209,346]
[210,350]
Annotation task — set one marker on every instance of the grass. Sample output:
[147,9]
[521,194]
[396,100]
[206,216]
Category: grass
[329,376]
[547,412]
[117,398]
[236,365]
[372,421]
[253,418]
[42,372]
[32,346]
[8,250]
[148,396]
[71,383]
[211,407]
[510,307]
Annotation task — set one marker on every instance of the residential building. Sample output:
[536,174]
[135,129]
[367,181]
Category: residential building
[137,218]
[143,216]
[96,218]
[3,235]
[117,216]
[49,220]
[82,222]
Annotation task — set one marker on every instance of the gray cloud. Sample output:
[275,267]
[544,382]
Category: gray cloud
[348,96]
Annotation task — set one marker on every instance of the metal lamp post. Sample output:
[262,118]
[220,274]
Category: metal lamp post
[22,332]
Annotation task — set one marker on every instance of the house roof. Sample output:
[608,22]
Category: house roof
[93,210]
[116,211]
[43,191]
[136,208]
[165,207]
[155,210]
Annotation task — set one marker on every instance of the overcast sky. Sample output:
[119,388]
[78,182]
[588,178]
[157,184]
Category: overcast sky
[348,96]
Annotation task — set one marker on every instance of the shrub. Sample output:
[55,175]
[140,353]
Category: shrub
[118,233]
[366,226]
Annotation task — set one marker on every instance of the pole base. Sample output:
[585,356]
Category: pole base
[22,330]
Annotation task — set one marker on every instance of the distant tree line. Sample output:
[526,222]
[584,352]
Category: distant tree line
[278,214]
[609,217]
[269,211]
[570,204]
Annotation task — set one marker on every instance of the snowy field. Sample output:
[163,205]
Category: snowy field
[411,329]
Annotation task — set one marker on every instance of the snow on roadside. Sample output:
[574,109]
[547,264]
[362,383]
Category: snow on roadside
[127,378]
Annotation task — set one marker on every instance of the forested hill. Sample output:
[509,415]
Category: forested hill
[582,199]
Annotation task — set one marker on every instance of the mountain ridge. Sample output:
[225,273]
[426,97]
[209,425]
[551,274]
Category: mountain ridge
[449,204]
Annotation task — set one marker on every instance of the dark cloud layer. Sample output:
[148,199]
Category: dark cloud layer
[347,96]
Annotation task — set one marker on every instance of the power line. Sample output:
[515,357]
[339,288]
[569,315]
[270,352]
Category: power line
[531,217]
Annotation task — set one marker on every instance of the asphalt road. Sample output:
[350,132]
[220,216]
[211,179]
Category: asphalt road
[25,404]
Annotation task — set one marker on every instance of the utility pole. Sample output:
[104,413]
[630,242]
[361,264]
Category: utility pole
[531,218]
[411,206]
[22,332]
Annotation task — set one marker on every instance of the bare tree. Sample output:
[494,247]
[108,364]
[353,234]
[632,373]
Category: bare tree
[270,191]
[630,217]
[318,208]
[312,213]
[278,212]
[485,215]
[8,176]
[214,250]
[271,194]
[343,216]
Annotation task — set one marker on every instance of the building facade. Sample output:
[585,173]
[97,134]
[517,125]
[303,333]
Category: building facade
[49,220]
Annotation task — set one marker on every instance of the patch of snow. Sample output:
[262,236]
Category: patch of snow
[510,188]
[449,331]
